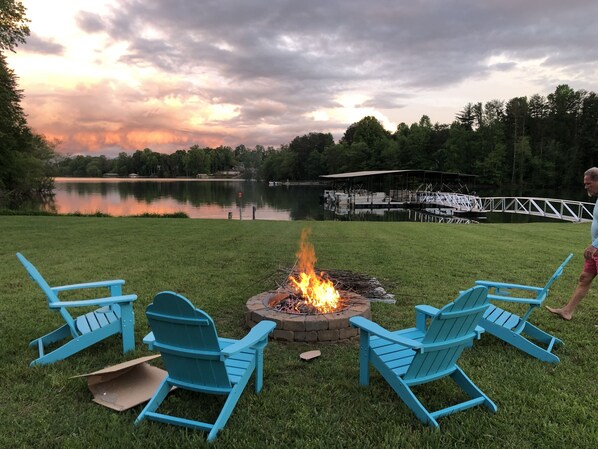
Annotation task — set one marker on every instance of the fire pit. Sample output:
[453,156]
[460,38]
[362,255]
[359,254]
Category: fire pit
[317,327]
[309,308]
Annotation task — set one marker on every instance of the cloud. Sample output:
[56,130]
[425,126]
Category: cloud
[44,46]
[262,72]
[89,22]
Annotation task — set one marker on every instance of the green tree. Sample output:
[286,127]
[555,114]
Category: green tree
[564,112]
[121,164]
[94,169]
[491,163]
[588,130]
[13,24]
[199,160]
[370,131]
[467,117]
[308,150]
[23,154]
[516,130]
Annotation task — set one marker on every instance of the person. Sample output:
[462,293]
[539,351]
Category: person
[590,254]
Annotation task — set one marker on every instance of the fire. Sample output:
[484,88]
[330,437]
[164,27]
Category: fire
[315,289]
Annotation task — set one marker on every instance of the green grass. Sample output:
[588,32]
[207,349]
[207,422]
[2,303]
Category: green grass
[218,265]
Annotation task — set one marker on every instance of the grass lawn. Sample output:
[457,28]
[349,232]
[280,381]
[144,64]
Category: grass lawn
[218,265]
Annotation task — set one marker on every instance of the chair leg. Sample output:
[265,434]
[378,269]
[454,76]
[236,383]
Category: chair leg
[521,342]
[409,398]
[61,333]
[404,391]
[156,400]
[76,344]
[364,358]
[68,349]
[532,349]
[127,327]
[229,405]
[471,389]
[538,334]
[259,369]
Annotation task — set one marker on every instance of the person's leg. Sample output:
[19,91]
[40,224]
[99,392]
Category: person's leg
[583,286]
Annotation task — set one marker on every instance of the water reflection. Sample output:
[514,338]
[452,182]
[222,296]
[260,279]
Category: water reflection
[219,199]
[197,198]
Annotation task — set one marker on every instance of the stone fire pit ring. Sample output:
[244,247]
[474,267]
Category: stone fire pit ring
[309,328]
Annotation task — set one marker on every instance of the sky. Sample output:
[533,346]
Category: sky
[108,76]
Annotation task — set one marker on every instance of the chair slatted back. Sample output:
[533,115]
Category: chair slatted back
[187,339]
[50,295]
[559,271]
[449,332]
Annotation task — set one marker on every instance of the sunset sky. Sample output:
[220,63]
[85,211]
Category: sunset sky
[106,76]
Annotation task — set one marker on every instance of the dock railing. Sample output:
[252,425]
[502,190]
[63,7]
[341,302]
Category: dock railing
[459,201]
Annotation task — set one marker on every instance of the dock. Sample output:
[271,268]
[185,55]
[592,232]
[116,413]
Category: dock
[442,193]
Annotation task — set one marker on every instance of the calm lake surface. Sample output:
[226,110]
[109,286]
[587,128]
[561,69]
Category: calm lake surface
[220,199]
[198,198]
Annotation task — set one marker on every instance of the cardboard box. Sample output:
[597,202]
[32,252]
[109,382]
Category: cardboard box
[123,386]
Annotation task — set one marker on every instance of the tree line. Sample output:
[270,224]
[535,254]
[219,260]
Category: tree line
[526,143]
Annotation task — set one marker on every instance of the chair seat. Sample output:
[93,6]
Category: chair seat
[501,317]
[239,363]
[396,357]
[98,319]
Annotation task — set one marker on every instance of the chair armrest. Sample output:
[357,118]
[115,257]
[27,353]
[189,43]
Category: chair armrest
[149,340]
[257,334]
[507,286]
[373,328]
[422,313]
[427,310]
[531,301]
[93,302]
[98,284]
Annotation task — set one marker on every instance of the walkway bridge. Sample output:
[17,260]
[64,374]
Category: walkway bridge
[567,210]
[559,209]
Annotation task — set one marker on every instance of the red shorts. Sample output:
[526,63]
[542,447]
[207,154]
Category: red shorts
[591,265]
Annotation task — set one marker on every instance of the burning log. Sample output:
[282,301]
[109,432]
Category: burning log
[360,283]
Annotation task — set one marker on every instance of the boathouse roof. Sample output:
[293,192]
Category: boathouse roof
[422,173]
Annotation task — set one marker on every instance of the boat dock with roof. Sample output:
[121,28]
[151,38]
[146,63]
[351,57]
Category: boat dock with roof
[442,193]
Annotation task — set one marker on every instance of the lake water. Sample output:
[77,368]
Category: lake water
[197,198]
[222,199]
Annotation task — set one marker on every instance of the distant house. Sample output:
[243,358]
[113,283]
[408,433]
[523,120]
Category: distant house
[229,173]
[133,175]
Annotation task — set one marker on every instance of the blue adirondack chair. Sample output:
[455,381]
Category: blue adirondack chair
[513,328]
[115,316]
[425,353]
[197,359]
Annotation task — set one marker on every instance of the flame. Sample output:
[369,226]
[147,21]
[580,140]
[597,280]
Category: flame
[315,289]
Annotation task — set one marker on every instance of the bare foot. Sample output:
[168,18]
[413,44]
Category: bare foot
[559,312]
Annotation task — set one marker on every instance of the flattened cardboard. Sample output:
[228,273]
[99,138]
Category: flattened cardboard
[123,386]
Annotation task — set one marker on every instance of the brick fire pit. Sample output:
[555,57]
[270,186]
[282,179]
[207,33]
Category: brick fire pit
[302,327]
